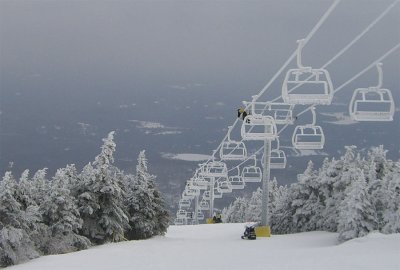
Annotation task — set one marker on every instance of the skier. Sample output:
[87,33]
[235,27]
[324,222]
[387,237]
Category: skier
[249,232]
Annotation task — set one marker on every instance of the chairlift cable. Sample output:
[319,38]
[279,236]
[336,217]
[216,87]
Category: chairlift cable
[351,43]
[373,64]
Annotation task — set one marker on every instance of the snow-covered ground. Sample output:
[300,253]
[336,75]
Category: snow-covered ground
[219,246]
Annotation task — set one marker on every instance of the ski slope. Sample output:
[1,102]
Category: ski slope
[219,246]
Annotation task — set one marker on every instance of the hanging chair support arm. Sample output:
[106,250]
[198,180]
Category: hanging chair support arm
[380,75]
[314,116]
[299,50]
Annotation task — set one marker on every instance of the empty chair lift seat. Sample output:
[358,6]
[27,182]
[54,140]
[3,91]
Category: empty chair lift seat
[308,137]
[372,104]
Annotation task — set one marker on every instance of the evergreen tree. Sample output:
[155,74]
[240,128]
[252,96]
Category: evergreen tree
[141,202]
[15,243]
[236,212]
[391,215]
[306,200]
[253,211]
[88,203]
[357,217]
[101,196]
[61,215]
[39,186]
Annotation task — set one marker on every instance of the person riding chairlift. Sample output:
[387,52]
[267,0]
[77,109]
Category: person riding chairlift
[242,114]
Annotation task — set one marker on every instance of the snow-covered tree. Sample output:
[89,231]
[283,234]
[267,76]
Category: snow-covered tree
[148,214]
[15,243]
[356,216]
[60,213]
[391,215]
[253,211]
[307,204]
[236,211]
[100,186]
[281,219]
[88,203]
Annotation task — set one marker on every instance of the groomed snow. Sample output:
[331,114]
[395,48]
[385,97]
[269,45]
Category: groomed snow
[219,246]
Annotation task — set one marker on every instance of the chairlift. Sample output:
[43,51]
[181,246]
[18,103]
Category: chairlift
[192,192]
[232,150]
[215,169]
[179,221]
[217,194]
[252,173]
[189,215]
[207,195]
[204,205]
[283,117]
[308,136]
[305,85]
[200,182]
[187,196]
[236,181]
[373,103]
[224,187]
[257,127]
[277,158]
[184,203]
[281,112]
[200,215]
[181,213]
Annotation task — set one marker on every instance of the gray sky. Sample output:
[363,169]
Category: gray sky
[66,65]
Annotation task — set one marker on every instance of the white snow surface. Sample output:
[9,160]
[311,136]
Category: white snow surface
[218,246]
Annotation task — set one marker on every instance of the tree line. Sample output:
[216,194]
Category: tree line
[352,195]
[74,210]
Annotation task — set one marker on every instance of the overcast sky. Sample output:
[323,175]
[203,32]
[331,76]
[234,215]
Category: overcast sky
[71,71]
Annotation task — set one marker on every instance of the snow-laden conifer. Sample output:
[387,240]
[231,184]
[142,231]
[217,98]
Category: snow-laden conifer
[15,243]
[236,211]
[391,215]
[141,200]
[60,213]
[101,197]
[356,215]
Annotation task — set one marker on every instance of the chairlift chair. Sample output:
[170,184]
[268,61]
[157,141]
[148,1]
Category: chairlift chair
[252,173]
[179,221]
[283,117]
[204,205]
[187,196]
[200,215]
[192,192]
[189,215]
[216,169]
[373,103]
[181,213]
[224,187]
[184,203]
[281,112]
[277,158]
[207,195]
[200,182]
[236,181]
[257,127]
[308,136]
[217,194]
[232,150]
[305,85]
